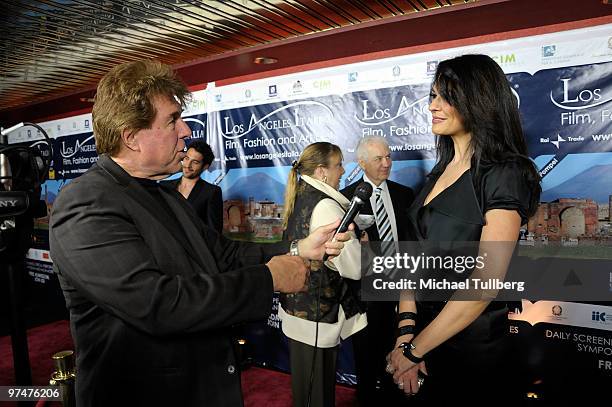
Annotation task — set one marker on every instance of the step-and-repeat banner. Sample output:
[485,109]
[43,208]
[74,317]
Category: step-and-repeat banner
[563,83]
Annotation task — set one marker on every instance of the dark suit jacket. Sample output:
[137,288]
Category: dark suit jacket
[152,294]
[401,197]
[207,201]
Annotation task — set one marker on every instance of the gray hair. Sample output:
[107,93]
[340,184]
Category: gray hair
[362,147]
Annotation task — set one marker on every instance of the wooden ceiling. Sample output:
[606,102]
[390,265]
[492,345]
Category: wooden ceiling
[56,50]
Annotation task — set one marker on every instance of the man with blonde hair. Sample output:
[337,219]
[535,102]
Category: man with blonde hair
[151,290]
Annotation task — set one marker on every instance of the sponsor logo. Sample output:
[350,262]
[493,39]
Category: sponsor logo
[297,86]
[8,203]
[570,98]
[600,316]
[504,59]
[396,71]
[352,76]
[549,51]
[247,93]
[59,127]
[29,133]
[557,310]
[86,123]
[610,42]
[272,91]
[431,67]
[218,98]
[556,142]
[74,125]
[322,84]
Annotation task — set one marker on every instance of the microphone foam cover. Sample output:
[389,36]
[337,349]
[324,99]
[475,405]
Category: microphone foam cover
[364,191]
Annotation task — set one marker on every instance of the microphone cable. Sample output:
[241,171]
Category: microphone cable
[363,192]
[314,352]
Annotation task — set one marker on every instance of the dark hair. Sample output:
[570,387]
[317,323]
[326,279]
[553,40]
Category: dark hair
[204,149]
[477,88]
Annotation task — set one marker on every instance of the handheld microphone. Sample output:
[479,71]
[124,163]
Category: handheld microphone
[362,194]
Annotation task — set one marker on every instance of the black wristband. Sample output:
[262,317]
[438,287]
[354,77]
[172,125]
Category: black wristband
[406,315]
[407,348]
[405,330]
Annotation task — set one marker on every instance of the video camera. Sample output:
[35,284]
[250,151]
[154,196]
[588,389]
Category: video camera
[23,169]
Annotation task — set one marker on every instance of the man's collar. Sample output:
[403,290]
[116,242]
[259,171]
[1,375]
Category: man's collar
[383,185]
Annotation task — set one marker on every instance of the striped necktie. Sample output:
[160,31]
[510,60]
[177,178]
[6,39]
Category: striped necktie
[383,223]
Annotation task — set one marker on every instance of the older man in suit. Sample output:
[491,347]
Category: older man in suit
[388,209]
[206,198]
[151,290]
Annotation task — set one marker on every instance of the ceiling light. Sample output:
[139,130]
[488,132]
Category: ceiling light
[265,60]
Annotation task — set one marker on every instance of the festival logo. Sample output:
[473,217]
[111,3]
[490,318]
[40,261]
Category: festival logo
[571,97]
[69,150]
[297,118]
[376,115]
[198,128]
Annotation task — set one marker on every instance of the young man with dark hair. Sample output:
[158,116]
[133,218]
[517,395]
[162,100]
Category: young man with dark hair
[206,198]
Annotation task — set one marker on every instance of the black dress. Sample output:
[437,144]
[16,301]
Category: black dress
[473,366]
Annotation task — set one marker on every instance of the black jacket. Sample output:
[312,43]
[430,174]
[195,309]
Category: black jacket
[207,200]
[152,294]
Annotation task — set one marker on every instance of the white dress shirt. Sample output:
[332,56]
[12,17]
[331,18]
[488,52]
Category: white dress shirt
[386,198]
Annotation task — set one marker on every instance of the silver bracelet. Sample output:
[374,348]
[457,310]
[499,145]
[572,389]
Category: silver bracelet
[293,248]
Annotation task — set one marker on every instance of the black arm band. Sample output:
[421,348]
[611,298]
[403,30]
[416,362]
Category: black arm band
[405,330]
[406,315]
[407,348]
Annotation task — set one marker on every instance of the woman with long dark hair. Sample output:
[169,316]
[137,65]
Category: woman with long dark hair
[482,189]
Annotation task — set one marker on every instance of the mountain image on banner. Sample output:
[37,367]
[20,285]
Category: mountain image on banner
[258,186]
[51,197]
[594,183]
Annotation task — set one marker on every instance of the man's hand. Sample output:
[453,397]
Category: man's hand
[288,273]
[319,242]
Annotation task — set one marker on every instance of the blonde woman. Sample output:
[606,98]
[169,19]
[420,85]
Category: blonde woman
[316,319]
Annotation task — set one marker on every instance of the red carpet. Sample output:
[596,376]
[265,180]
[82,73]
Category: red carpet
[261,387]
